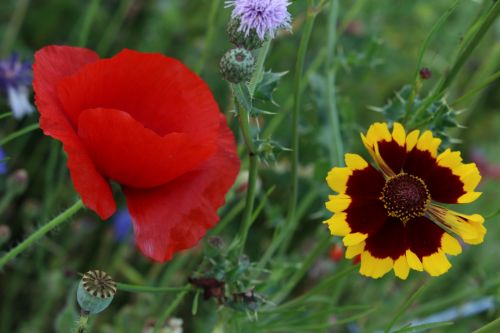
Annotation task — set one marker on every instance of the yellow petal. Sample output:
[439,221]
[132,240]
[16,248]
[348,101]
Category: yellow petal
[428,143]
[337,179]
[354,250]
[450,245]
[355,162]
[401,267]
[399,134]
[413,261]
[449,159]
[378,132]
[436,264]
[469,197]
[469,227]
[411,139]
[338,225]
[374,267]
[355,238]
[338,203]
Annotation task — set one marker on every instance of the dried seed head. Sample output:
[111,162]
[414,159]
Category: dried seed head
[95,291]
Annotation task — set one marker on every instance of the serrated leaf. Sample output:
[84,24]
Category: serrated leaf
[267,86]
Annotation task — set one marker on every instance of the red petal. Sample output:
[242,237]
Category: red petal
[389,241]
[52,64]
[159,92]
[367,182]
[134,156]
[424,236]
[365,215]
[177,215]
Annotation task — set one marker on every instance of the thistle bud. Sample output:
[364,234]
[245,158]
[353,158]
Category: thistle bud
[237,65]
[18,181]
[238,37]
[95,291]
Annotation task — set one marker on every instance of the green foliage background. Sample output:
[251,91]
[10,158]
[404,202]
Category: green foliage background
[376,56]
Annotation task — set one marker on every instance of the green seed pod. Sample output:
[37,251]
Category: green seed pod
[95,291]
[237,65]
[250,42]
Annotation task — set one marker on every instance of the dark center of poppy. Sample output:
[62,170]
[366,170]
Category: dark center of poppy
[405,196]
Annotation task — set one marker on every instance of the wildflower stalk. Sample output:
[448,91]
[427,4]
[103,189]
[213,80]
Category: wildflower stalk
[87,22]
[146,289]
[19,133]
[463,56]
[297,92]
[114,27]
[12,29]
[171,308]
[209,38]
[492,327]
[63,217]
[337,146]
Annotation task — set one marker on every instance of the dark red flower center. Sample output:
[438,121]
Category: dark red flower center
[405,196]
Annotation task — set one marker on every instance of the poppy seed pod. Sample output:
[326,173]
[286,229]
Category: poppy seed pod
[238,37]
[237,65]
[95,291]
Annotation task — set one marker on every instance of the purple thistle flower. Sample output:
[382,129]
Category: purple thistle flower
[15,80]
[265,16]
[122,225]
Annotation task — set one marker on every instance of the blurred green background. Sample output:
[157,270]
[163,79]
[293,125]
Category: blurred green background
[376,55]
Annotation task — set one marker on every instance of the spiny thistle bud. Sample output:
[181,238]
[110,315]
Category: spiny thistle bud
[95,291]
[237,65]
[238,37]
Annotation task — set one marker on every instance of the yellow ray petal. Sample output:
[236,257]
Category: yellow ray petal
[428,143]
[374,267]
[378,132]
[449,159]
[401,267]
[338,225]
[353,239]
[411,139]
[469,197]
[450,245]
[436,264]
[338,203]
[413,261]
[354,250]
[355,162]
[399,134]
[469,227]
[337,179]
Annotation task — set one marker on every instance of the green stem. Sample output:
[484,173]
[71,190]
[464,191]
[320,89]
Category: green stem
[12,29]
[146,289]
[336,151]
[462,57]
[114,27]
[168,311]
[87,22]
[297,92]
[18,133]
[475,90]
[249,202]
[492,327]
[214,10]
[259,67]
[63,217]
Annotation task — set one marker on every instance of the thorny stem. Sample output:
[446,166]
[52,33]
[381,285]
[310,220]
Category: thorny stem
[63,217]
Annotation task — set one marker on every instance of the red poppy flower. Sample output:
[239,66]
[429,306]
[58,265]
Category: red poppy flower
[148,123]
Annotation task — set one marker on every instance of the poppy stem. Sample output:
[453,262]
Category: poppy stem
[147,289]
[64,216]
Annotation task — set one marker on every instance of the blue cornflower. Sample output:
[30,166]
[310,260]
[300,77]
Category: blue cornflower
[122,225]
[265,16]
[3,164]
[15,80]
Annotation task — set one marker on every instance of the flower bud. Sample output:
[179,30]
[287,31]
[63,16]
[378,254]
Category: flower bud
[425,73]
[237,65]
[249,41]
[18,181]
[95,291]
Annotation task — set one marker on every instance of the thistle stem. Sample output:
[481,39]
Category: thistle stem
[63,217]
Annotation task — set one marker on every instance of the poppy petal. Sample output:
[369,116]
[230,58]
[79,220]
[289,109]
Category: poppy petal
[157,91]
[175,216]
[135,156]
[52,64]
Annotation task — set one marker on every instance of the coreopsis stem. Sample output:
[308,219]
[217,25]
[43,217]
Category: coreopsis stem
[63,217]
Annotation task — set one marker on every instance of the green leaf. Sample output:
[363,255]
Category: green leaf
[422,327]
[267,86]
